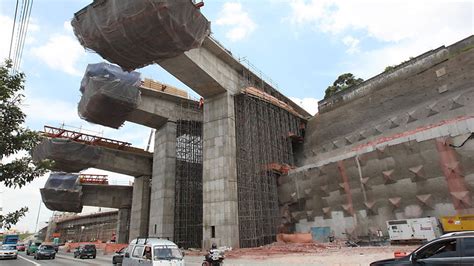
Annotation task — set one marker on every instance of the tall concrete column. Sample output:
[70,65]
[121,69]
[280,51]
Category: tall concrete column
[50,230]
[140,207]
[163,182]
[123,223]
[220,207]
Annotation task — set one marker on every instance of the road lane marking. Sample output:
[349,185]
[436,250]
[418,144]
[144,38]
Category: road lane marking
[74,259]
[35,263]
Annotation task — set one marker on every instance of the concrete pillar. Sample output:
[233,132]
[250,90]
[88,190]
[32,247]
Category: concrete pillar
[220,207]
[140,211]
[163,182]
[51,229]
[123,222]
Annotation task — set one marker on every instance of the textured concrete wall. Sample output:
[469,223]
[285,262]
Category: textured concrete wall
[140,211]
[407,103]
[383,151]
[220,208]
[161,223]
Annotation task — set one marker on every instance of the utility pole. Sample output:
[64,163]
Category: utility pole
[37,217]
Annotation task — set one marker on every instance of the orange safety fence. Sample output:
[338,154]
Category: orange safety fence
[295,238]
[107,248]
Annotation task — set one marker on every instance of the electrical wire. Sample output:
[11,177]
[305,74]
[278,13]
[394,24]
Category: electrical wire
[25,34]
[13,31]
[19,32]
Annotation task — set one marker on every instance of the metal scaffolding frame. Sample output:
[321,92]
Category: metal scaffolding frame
[188,185]
[262,131]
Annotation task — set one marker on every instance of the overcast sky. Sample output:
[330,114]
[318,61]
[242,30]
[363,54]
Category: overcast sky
[302,45]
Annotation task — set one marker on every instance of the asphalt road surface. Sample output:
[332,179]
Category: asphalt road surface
[61,259]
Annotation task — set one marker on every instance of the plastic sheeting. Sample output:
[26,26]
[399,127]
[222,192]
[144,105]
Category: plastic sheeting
[62,180]
[62,192]
[109,94]
[136,33]
[68,156]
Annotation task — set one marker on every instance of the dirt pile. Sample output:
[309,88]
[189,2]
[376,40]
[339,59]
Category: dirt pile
[279,248]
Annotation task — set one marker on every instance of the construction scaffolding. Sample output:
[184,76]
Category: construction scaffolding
[263,147]
[188,185]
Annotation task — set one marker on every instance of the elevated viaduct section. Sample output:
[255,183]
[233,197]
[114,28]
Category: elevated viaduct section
[396,146]
[64,192]
[205,66]
[84,228]
[74,152]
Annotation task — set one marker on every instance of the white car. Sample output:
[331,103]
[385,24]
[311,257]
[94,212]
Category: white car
[150,251]
[8,252]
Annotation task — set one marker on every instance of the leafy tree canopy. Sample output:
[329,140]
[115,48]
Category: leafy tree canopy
[15,139]
[343,82]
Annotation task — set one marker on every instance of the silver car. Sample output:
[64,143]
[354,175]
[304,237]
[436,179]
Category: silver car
[8,252]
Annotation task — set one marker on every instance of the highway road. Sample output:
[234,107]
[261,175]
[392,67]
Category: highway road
[61,259]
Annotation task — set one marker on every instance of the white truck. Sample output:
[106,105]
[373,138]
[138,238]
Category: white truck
[414,230]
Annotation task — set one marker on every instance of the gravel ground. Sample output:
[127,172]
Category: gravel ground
[330,256]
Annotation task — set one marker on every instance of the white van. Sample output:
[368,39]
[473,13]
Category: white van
[153,252]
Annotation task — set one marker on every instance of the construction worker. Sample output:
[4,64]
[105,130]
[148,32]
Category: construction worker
[201,103]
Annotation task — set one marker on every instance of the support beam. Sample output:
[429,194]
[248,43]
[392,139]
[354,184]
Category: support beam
[153,108]
[220,199]
[211,70]
[70,156]
[107,196]
[156,108]
[140,207]
[162,197]
[64,192]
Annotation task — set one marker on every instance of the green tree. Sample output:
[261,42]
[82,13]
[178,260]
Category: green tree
[343,82]
[15,139]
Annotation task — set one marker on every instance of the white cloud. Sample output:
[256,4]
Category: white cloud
[48,110]
[352,44]
[61,52]
[6,32]
[309,104]
[67,26]
[404,28]
[239,21]
[28,196]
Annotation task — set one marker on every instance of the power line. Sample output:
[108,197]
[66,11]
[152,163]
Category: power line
[13,31]
[24,35]
[19,31]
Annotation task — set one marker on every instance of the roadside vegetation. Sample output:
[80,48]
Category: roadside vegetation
[16,141]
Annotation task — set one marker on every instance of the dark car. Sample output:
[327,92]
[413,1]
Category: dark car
[118,257]
[45,252]
[450,249]
[85,251]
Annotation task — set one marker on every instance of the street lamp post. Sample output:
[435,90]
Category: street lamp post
[82,229]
